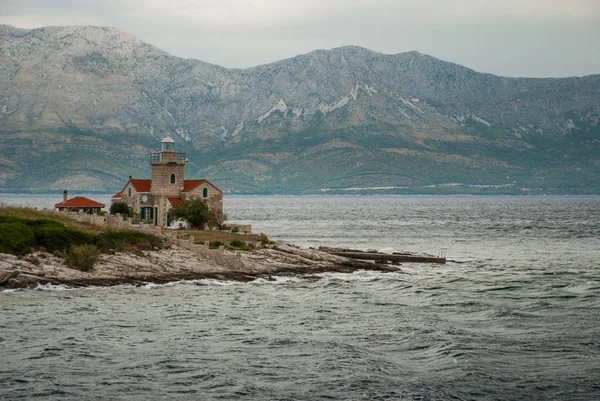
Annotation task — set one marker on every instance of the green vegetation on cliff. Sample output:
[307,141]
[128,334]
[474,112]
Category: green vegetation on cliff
[24,230]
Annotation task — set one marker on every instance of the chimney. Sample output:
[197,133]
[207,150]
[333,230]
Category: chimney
[129,178]
[65,196]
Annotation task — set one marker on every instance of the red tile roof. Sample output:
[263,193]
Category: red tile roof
[141,185]
[79,201]
[188,185]
[117,196]
[175,201]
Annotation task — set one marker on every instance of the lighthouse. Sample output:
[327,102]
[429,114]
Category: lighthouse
[150,200]
[167,168]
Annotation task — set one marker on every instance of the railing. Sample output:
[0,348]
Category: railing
[167,157]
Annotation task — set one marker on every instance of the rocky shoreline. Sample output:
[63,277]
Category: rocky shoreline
[175,263]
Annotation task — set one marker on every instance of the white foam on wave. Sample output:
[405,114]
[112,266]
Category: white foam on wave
[205,281]
[213,282]
[361,276]
[11,290]
[149,286]
[52,287]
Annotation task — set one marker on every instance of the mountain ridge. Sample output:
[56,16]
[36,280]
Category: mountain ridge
[314,122]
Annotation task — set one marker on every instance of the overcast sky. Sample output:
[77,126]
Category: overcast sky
[536,38]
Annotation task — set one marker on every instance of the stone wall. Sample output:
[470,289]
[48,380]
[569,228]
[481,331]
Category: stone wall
[118,222]
[241,228]
[111,221]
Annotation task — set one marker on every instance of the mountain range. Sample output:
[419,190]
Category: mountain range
[82,107]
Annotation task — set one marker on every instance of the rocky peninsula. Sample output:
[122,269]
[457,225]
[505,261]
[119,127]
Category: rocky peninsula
[174,263]
[80,249]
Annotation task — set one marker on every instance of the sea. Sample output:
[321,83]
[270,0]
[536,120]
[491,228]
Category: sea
[513,315]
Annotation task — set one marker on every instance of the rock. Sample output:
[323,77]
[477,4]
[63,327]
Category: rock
[5,276]
[23,280]
[174,264]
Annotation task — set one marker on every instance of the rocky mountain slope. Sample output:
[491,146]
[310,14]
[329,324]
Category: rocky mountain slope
[82,107]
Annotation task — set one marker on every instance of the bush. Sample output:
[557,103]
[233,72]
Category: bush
[235,230]
[56,238]
[82,257]
[19,236]
[238,244]
[120,207]
[215,244]
[264,239]
[15,238]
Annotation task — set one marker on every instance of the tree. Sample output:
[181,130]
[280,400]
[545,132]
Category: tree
[119,207]
[215,219]
[194,211]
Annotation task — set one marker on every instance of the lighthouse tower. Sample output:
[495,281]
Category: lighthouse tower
[151,200]
[167,169]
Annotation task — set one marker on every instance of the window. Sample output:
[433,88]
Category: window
[205,193]
[172,178]
[129,192]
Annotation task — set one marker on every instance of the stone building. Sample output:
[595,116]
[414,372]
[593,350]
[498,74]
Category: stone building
[150,200]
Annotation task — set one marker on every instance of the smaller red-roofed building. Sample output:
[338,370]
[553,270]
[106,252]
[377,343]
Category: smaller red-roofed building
[151,199]
[79,203]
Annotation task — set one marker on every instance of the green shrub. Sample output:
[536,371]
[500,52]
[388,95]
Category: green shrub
[235,230]
[121,208]
[15,238]
[238,244]
[60,237]
[19,235]
[82,257]
[264,239]
[215,244]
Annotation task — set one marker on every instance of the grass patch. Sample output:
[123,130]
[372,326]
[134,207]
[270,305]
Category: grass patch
[33,214]
[121,240]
